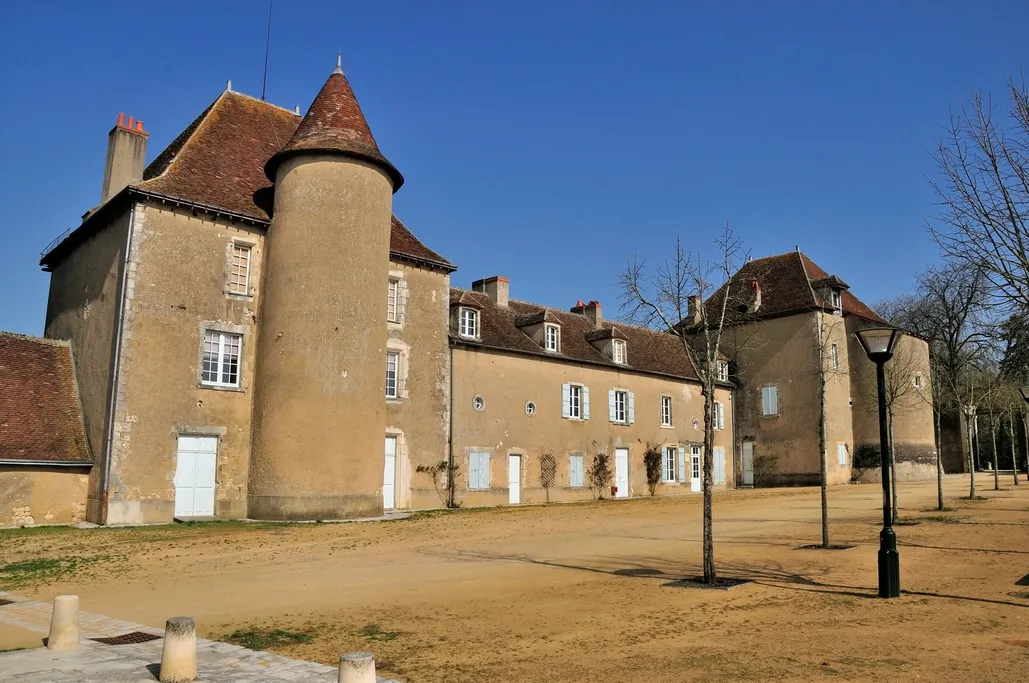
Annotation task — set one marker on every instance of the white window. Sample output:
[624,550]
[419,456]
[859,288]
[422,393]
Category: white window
[221,359]
[841,454]
[552,338]
[668,464]
[575,474]
[834,356]
[918,381]
[469,323]
[621,406]
[392,374]
[575,401]
[837,301]
[723,370]
[478,471]
[719,416]
[666,411]
[239,271]
[770,400]
[393,301]
[618,351]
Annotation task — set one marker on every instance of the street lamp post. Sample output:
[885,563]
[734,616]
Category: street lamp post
[879,343]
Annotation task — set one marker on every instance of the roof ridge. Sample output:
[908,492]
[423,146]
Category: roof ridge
[266,102]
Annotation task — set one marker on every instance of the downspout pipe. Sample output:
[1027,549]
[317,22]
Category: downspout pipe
[112,399]
[451,484]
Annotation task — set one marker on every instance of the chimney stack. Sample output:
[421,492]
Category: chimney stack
[591,310]
[756,302]
[126,155]
[693,310]
[497,288]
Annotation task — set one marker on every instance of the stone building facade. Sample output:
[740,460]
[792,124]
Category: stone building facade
[255,334]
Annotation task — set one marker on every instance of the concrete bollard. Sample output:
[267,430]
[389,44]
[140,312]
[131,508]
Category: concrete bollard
[179,656]
[64,623]
[357,667]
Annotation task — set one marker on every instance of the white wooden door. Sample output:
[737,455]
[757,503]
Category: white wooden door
[389,475]
[748,463]
[514,479]
[195,465]
[621,473]
[694,468]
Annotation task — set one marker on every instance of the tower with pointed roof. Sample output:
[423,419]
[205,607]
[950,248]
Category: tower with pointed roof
[317,438]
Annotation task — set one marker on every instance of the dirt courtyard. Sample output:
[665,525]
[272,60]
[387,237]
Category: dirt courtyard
[578,592]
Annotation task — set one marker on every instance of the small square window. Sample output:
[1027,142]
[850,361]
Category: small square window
[469,323]
[618,351]
[666,411]
[221,359]
[239,271]
[552,338]
[393,301]
[918,381]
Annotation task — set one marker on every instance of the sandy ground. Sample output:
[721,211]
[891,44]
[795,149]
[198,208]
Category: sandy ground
[578,592]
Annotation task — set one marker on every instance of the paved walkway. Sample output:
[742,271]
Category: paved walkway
[136,662]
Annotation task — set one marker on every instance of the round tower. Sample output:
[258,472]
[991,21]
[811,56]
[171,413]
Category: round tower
[319,417]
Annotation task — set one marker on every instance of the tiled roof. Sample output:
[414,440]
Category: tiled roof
[218,161]
[788,285]
[335,124]
[40,414]
[646,350]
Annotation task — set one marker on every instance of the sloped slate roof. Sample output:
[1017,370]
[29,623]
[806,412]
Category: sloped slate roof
[788,285]
[647,350]
[335,124]
[219,160]
[40,413]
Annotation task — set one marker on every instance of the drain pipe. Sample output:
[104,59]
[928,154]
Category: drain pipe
[112,399]
[451,485]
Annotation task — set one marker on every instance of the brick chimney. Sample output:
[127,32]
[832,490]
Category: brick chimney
[693,310]
[591,310]
[756,301]
[126,154]
[497,288]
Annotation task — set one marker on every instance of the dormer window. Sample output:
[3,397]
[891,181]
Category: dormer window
[552,338]
[469,323]
[618,351]
[837,299]
[723,371]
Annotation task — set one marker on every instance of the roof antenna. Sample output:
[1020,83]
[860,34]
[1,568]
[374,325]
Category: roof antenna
[339,63]
[267,44]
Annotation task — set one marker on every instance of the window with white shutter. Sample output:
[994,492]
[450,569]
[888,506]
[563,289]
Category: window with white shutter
[666,411]
[574,402]
[770,400]
[585,403]
[719,465]
[575,474]
[478,471]
[618,405]
[841,454]
[719,421]
[668,465]
[682,464]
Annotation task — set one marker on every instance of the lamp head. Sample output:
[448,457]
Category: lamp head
[879,343]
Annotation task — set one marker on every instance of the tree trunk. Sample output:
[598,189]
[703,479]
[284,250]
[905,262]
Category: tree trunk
[824,461]
[939,461]
[993,440]
[893,465]
[708,459]
[971,459]
[1014,446]
[978,452]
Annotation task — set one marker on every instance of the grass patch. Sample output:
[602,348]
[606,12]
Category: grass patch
[977,499]
[374,633]
[943,519]
[46,569]
[263,639]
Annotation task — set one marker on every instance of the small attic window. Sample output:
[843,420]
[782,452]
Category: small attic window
[618,351]
[723,371]
[837,299]
[469,323]
[552,338]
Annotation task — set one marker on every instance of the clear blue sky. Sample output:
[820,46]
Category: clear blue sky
[540,140]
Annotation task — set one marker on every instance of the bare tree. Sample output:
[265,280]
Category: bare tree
[826,366]
[672,298]
[983,161]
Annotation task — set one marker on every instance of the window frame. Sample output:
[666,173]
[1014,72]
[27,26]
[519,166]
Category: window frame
[473,315]
[719,416]
[547,329]
[668,462]
[666,410]
[574,401]
[917,381]
[619,352]
[836,297]
[722,370]
[221,337]
[233,286]
[395,396]
[775,389]
[621,396]
[393,299]
[834,356]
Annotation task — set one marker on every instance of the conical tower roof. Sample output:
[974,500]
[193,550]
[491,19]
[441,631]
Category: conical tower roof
[335,125]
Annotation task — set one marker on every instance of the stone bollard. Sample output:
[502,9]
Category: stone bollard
[357,667]
[179,656]
[64,623]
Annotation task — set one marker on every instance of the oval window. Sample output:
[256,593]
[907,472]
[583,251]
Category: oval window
[530,408]
[478,403]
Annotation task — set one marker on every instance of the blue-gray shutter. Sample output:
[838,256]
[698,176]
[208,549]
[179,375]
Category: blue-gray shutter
[682,464]
[566,400]
[632,408]
[611,406]
[585,403]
